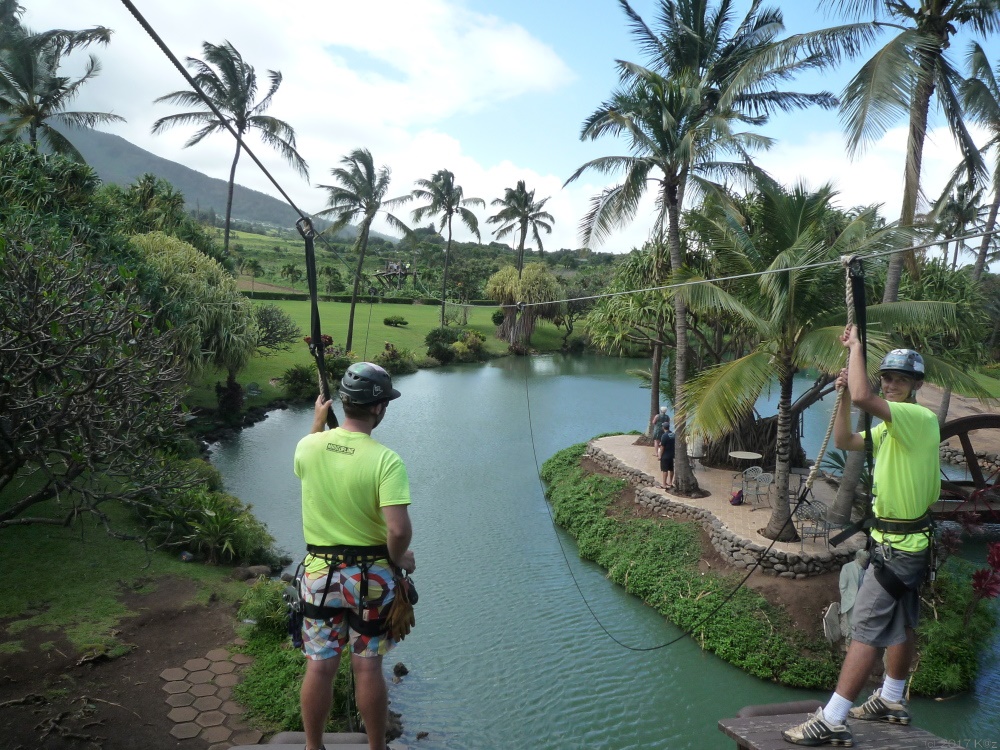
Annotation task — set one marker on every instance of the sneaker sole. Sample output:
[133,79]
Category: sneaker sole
[818,743]
[887,719]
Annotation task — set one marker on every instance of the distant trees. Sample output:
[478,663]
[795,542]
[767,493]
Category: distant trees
[360,193]
[33,94]
[519,211]
[445,199]
[231,84]
[525,298]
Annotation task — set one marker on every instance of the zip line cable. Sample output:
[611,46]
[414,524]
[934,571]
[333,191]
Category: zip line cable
[753,274]
[852,265]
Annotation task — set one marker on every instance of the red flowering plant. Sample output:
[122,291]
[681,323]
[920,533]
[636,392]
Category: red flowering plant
[986,581]
[325,338]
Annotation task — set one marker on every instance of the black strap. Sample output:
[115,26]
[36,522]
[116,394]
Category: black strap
[922,525]
[308,233]
[891,582]
[349,552]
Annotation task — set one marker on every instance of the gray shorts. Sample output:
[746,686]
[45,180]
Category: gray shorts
[879,619]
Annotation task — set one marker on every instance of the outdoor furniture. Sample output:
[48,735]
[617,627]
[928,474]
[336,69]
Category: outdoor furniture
[744,478]
[812,522]
[758,490]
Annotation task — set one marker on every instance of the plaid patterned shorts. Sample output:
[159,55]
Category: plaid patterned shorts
[325,639]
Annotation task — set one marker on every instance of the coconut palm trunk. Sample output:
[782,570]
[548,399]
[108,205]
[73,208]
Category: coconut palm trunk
[520,248]
[444,275]
[229,195]
[684,479]
[911,181]
[778,527]
[362,246]
[654,384]
[984,245]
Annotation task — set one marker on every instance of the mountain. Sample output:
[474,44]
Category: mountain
[121,162]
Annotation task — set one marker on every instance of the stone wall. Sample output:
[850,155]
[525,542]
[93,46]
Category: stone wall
[989,462]
[736,550]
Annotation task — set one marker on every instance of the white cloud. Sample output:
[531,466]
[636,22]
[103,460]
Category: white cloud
[401,78]
[874,177]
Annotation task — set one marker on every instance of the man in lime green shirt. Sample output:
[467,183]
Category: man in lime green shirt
[355,496]
[906,483]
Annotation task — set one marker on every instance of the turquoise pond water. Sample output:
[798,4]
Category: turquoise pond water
[506,652]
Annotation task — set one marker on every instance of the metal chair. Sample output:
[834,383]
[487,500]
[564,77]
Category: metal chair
[758,490]
[811,515]
[746,477]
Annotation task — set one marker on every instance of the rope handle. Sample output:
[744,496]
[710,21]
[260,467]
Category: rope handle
[852,270]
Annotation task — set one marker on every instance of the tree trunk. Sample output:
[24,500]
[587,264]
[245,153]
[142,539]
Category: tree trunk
[444,279]
[854,466]
[779,526]
[684,479]
[654,385]
[229,196]
[911,181]
[520,249]
[362,245]
[942,412]
[984,246]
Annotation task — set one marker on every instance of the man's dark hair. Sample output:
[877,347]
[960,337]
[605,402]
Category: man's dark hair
[358,411]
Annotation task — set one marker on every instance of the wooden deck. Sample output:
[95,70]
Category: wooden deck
[764,733]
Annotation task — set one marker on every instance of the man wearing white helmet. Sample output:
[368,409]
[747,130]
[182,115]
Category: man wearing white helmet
[906,483]
[355,495]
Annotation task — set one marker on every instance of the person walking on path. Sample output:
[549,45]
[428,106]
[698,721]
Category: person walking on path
[667,446]
[355,518]
[906,483]
[657,424]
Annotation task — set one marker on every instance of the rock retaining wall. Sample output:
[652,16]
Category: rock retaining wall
[989,462]
[737,551]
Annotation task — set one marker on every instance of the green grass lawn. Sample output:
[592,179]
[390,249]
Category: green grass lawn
[370,337]
[71,578]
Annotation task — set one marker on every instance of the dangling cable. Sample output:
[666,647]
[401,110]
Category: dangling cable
[848,263]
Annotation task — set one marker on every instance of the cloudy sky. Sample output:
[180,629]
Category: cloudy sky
[495,92]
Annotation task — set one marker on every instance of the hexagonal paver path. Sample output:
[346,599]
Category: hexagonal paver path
[198,700]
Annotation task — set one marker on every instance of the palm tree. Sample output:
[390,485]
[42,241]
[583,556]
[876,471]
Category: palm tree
[981,97]
[231,84]
[254,269]
[518,210]
[794,312]
[33,96]
[902,78]
[704,77]
[360,193]
[446,199]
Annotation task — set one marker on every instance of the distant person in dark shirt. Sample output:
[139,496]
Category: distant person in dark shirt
[657,424]
[667,445]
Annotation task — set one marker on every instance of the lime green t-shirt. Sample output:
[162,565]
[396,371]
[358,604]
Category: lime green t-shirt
[907,470]
[347,477]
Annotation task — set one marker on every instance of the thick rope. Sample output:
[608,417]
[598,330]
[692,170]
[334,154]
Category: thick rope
[849,295]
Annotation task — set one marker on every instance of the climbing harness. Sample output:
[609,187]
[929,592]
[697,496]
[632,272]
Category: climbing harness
[336,557]
[316,345]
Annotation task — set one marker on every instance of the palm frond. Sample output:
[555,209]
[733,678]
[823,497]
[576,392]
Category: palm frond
[719,398]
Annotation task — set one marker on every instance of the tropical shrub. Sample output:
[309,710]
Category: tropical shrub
[396,361]
[497,317]
[456,344]
[299,382]
[215,525]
